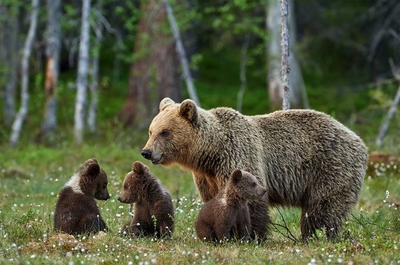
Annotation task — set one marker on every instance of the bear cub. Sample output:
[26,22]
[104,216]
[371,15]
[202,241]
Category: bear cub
[227,216]
[154,212]
[76,209]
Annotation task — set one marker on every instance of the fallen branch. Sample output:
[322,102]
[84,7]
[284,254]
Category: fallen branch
[289,233]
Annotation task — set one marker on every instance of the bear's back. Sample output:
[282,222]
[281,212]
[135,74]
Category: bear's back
[71,207]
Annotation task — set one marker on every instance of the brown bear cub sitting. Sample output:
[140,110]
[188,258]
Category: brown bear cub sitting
[76,210]
[154,212]
[227,216]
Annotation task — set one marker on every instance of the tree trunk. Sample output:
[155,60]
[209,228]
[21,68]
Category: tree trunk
[385,125]
[182,54]
[9,31]
[153,74]
[275,86]
[53,46]
[94,71]
[23,110]
[242,74]
[285,68]
[81,84]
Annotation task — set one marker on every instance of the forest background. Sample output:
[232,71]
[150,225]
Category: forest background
[83,79]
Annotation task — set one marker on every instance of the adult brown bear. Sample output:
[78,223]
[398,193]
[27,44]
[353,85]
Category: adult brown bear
[304,158]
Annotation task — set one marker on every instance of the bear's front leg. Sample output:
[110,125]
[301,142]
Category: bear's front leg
[243,225]
[125,230]
[207,186]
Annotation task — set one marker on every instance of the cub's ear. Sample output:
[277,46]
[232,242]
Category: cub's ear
[139,168]
[188,110]
[91,161]
[236,176]
[165,102]
[93,169]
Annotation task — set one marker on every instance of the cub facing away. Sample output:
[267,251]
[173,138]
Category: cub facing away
[154,212]
[76,209]
[227,216]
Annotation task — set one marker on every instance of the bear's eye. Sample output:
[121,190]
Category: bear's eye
[105,185]
[253,184]
[164,133]
[125,187]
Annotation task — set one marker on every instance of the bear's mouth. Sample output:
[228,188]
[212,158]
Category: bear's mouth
[156,161]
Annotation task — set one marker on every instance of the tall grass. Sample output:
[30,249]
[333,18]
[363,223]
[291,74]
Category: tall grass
[31,177]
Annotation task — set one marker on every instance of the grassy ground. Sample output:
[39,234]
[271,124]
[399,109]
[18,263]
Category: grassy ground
[31,177]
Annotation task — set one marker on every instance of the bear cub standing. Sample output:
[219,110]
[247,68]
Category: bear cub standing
[76,209]
[227,215]
[154,212]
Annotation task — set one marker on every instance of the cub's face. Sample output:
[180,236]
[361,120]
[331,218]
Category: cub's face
[247,184]
[101,182]
[133,183]
[93,180]
[171,133]
[129,192]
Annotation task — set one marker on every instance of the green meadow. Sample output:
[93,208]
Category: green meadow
[32,175]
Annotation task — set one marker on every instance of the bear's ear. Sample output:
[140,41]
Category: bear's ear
[165,102]
[247,169]
[236,176]
[139,168]
[188,110]
[91,161]
[93,169]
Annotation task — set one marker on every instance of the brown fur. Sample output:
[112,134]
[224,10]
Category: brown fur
[227,215]
[76,209]
[154,212]
[304,158]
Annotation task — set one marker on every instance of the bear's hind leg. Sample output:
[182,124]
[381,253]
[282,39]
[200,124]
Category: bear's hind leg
[307,225]
[324,215]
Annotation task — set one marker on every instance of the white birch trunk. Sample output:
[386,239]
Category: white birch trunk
[385,125]
[182,54]
[81,83]
[297,92]
[23,110]
[285,68]
[94,72]
[53,46]
[243,79]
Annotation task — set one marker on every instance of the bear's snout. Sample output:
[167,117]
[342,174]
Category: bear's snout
[146,153]
[122,199]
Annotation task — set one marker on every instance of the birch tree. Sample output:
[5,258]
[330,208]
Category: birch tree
[26,53]
[53,46]
[9,31]
[182,54]
[275,85]
[94,69]
[81,83]
[392,110]
[285,68]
